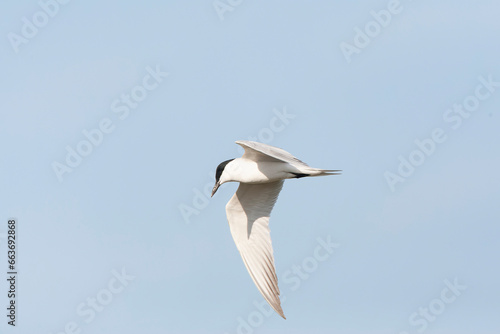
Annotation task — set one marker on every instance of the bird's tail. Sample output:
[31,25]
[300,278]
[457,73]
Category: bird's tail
[322,172]
[317,172]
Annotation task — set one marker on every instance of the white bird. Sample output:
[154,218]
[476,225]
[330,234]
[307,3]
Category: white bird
[261,172]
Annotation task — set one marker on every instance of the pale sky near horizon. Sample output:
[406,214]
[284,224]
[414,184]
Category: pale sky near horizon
[116,114]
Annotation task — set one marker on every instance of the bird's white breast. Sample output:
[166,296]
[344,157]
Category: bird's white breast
[249,171]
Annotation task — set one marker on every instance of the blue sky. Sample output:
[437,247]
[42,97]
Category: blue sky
[123,239]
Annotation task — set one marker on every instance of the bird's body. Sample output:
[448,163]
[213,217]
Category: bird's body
[250,171]
[261,172]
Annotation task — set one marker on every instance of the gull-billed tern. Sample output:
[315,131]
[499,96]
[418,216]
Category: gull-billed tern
[261,172]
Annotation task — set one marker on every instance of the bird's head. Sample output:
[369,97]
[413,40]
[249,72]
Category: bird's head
[220,177]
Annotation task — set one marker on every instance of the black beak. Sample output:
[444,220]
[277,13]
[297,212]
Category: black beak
[217,185]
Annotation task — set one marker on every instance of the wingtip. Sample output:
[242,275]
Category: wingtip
[240,142]
[243,142]
[278,310]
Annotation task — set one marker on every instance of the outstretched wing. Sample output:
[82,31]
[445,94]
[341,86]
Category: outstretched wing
[263,152]
[248,214]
